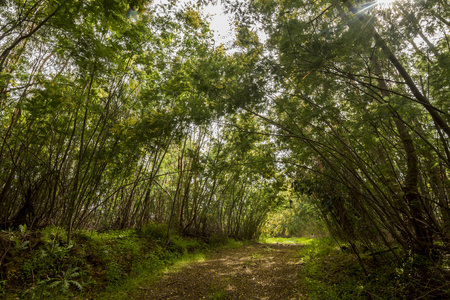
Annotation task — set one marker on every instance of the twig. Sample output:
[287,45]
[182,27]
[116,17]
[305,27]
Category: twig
[324,11]
[432,291]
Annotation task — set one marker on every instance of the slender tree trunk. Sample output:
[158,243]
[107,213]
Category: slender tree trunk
[411,192]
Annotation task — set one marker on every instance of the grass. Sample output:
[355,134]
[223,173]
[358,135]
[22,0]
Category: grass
[333,272]
[172,264]
[291,240]
[114,264]
[106,265]
[131,284]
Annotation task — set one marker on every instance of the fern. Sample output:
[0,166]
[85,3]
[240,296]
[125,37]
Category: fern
[65,280]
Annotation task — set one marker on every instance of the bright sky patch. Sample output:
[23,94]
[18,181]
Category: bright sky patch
[385,3]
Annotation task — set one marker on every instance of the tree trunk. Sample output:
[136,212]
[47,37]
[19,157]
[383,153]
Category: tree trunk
[410,189]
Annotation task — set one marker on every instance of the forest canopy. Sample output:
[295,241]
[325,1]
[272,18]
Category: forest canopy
[118,114]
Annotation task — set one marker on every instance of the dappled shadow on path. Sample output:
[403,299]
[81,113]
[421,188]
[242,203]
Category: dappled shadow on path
[258,271]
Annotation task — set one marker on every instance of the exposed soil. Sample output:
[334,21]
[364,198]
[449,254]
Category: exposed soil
[258,271]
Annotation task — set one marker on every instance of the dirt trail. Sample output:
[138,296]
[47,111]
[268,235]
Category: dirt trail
[258,271]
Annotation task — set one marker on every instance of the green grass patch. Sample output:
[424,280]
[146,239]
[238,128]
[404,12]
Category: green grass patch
[129,285]
[97,265]
[331,272]
[291,240]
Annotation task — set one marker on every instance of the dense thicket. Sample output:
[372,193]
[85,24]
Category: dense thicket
[121,113]
[360,105]
[114,114]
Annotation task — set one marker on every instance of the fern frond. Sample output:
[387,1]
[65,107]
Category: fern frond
[77,284]
[55,284]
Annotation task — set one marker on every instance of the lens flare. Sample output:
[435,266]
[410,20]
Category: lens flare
[384,3]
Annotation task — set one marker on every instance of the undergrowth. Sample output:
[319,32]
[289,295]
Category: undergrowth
[330,271]
[106,265]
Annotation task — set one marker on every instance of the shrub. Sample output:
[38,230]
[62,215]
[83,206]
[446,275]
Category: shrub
[157,231]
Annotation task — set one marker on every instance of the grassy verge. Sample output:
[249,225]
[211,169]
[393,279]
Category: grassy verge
[108,265]
[128,286]
[292,240]
[331,271]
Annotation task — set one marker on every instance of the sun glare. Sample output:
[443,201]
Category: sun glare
[384,3]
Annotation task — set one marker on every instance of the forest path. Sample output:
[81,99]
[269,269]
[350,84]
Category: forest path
[257,271]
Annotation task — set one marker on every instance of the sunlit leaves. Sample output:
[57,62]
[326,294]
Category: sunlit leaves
[106,108]
[341,110]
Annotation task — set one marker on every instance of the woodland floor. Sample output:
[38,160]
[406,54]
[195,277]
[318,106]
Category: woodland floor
[257,271]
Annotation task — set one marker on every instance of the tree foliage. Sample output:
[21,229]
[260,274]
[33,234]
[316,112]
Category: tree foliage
[363,124]
[122,113]
[108,113]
